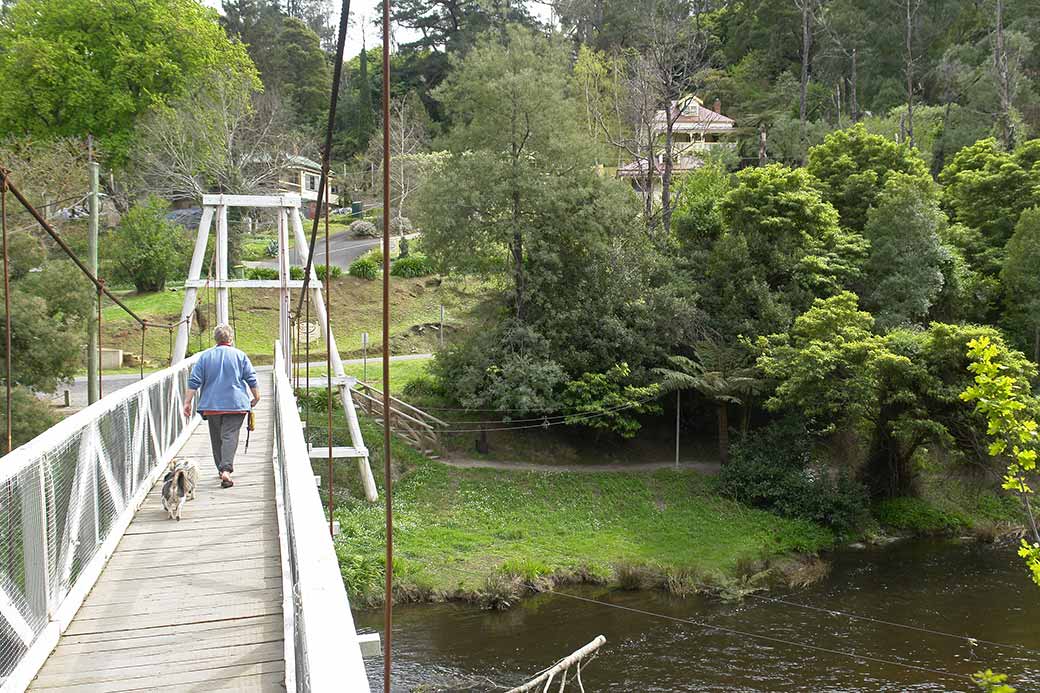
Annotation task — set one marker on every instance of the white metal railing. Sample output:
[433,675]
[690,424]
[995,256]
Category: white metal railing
[66,497]
[324,654]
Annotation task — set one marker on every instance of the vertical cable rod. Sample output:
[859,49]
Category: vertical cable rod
[144,326]
[388,481]
[328,366]
[100,294]
[7,309]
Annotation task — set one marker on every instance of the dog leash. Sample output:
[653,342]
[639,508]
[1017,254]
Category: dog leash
[250,425]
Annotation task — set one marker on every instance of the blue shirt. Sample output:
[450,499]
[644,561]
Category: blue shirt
[221,375]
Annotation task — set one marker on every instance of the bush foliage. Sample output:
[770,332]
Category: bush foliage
[774,468]
[364,268]
[414,265]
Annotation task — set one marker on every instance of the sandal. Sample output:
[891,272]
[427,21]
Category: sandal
[226,483]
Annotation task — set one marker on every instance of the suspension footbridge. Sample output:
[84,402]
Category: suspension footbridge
[100,591]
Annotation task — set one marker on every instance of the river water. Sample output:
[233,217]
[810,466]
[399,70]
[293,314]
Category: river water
[969,589]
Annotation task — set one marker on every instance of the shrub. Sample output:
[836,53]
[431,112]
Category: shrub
[261,273]
[918,516]
[364,268]
[412,266]
[424,386]
[322,272]
[774,469]
[32,416]
[362,227]
[146,248]
[398,226]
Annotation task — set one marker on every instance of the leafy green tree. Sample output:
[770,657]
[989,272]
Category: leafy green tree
[697,220]
[1009,407]
[146,248]
[73,67]
[32,416]
[904,271]
[827,367]
[609,401]
[722,374]
[68,293]
[299,72]
[508,367]
[853,166]
[25,253]
[987,189]
[788,237]
[1021,279]
[515,140]
[44,350]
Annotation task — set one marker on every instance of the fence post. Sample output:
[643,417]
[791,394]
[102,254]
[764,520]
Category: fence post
[35,545]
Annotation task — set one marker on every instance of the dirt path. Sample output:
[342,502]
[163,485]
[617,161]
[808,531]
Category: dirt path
[711,468]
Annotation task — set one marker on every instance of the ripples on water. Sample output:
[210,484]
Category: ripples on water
[970,589]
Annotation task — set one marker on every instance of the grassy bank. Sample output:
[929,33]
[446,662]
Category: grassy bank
[484,535]
[356,308]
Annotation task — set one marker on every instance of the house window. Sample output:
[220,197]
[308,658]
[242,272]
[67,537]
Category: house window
[310,182]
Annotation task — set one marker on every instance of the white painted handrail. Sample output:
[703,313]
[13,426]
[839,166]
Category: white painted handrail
[326,654]
[66,498]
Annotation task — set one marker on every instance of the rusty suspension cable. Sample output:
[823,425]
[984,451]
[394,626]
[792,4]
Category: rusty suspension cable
[326,152]
[9,185]
[7,306]
[388,481]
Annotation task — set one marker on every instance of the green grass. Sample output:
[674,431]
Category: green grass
[950,505]
[401,372]
[454,528]
[356,308]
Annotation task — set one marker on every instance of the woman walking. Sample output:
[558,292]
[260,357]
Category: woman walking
[229,389]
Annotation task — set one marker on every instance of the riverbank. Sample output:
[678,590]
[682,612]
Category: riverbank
[490,535]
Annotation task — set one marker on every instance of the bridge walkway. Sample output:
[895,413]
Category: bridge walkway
[194,605]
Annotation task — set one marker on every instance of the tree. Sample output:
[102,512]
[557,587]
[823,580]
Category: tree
[827,367]
[903,275]
[1007,404]
[515,139]
[609,401]
[791,234]
[1021,278]
[410,163]
[649,98]
[986,189]
[299,72]
[32,416]
[852,166]
[697,222]
[146,248]
[44,349]
[51,172]
[722,374]
[220,137]
[77,67]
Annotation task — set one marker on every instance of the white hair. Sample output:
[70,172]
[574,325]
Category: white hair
[222,334]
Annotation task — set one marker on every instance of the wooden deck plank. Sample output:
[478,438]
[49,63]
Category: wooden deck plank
[194,605]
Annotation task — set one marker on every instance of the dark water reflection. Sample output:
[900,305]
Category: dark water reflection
[970,589]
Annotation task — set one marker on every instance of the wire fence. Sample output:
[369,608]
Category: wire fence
[65,499]
[324,656]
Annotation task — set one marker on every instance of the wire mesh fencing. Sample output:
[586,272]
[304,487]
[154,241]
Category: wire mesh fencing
[325,651]
[67,495]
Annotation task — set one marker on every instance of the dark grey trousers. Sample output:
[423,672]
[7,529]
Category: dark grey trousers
[223,437]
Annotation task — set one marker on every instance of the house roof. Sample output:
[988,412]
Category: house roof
[694,117]
[303,162]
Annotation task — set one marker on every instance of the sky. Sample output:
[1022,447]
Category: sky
[362,15]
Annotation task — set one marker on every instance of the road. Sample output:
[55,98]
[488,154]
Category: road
[110,383]
[342,248]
